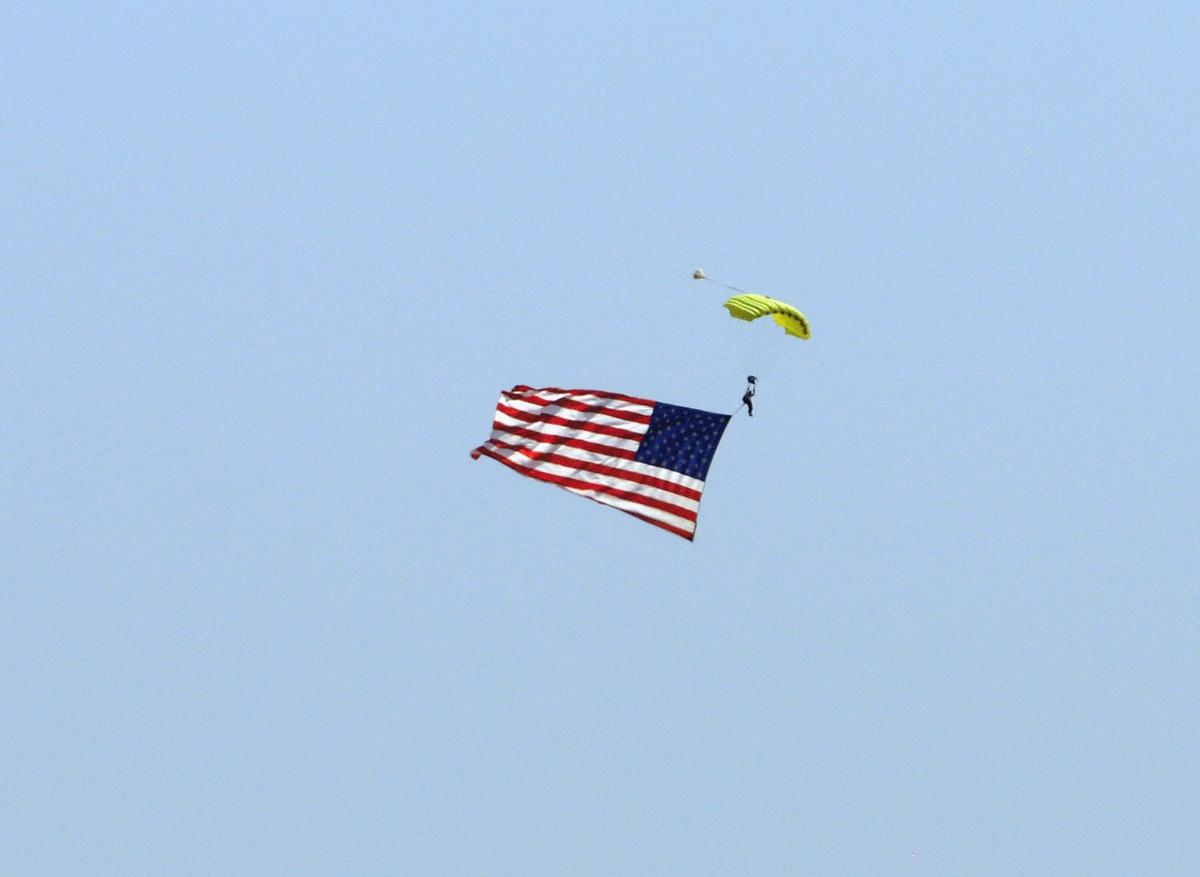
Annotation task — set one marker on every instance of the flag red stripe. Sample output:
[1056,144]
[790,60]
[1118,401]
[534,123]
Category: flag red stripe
[602,469]
[688,535]
[603,394]
[587,425]
[575,405]
[563,481]
[665,525]
[551,439]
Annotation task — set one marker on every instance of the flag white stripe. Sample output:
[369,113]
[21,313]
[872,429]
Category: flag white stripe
[553,432]
[633,466]
[586,398]
[554,448]
[684,524]
[541,411]
[599,478]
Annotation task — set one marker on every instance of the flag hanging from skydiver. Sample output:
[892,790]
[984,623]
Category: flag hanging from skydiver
[646,458]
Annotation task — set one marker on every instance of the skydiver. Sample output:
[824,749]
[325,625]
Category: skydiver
[748,396]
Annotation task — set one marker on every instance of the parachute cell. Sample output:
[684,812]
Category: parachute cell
[750,306]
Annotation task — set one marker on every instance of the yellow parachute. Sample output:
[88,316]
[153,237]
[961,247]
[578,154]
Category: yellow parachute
[751,306]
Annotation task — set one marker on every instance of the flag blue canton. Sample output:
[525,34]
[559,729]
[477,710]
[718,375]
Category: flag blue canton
[682,439]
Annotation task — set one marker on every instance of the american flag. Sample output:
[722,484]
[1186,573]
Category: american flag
[643,457]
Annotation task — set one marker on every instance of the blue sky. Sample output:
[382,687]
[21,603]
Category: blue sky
[264,269]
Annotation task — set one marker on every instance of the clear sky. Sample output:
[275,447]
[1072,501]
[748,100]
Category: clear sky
[263,271]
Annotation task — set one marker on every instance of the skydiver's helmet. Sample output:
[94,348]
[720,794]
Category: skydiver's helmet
[751,379]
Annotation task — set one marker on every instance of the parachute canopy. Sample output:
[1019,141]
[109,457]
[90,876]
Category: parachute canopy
[750,306]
